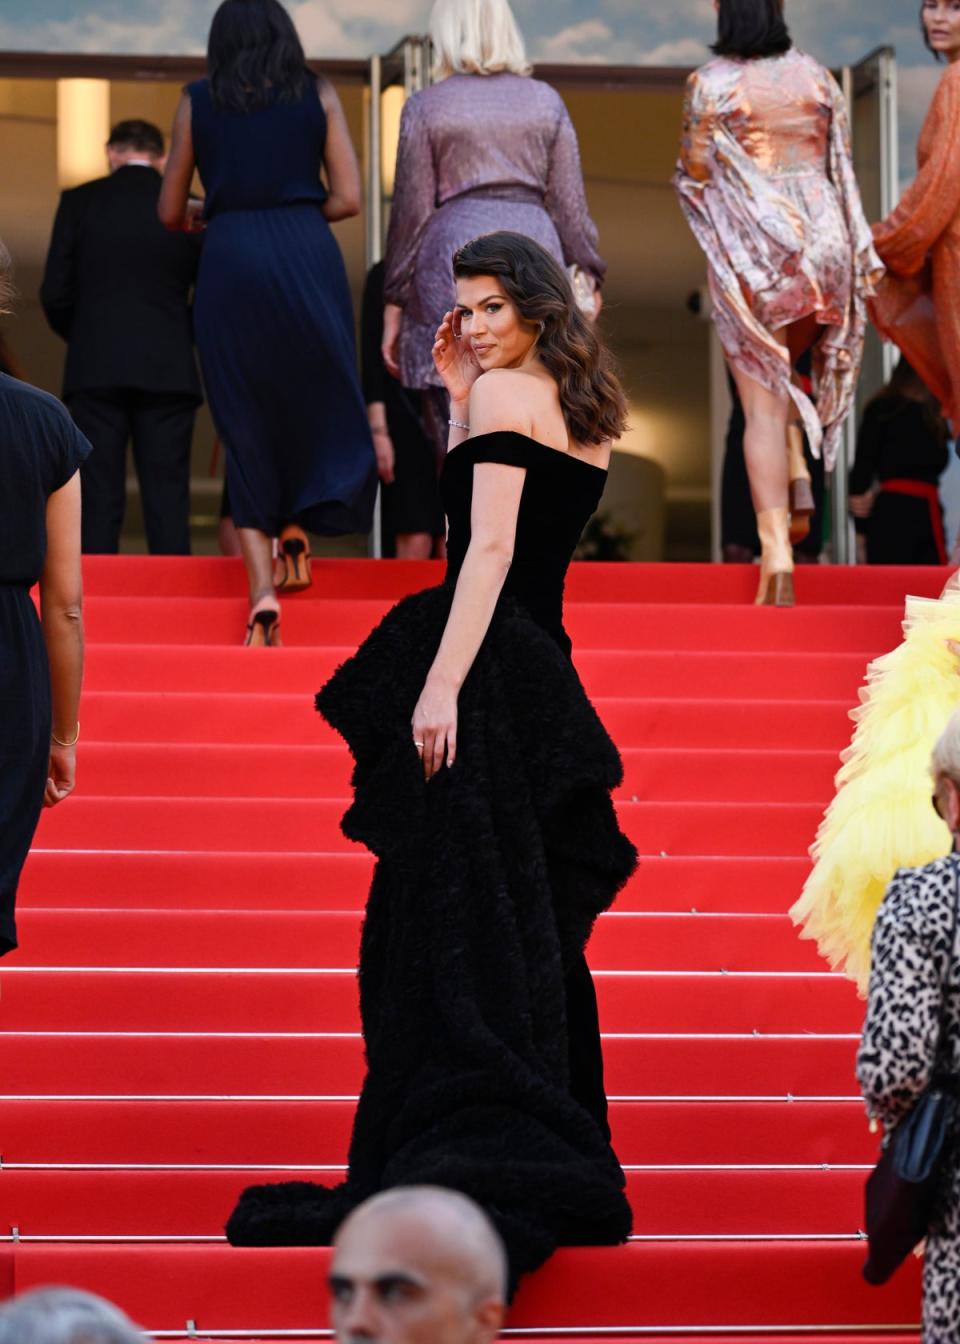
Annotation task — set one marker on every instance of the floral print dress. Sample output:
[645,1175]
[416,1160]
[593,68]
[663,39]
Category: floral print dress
[766,181]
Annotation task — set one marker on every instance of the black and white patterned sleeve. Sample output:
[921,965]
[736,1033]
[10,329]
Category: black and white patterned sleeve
[898,1049]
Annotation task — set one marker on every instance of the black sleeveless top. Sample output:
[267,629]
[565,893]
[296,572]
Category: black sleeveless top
[256,160]
[560,493]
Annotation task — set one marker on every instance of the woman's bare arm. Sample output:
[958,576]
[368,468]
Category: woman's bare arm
[178,174]
[497,489]
[339,160]
[61,611]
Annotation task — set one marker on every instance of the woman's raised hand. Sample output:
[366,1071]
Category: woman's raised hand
[455,361]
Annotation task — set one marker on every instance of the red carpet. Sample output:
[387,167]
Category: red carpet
[182,1017]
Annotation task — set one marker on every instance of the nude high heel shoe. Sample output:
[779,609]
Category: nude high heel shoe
[776,559]
[802,503]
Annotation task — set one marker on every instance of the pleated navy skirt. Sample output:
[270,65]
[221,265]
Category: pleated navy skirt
[275,333]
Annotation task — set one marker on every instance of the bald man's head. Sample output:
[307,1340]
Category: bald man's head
[418,1265]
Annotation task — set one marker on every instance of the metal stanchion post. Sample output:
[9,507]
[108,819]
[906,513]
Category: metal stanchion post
[375,241]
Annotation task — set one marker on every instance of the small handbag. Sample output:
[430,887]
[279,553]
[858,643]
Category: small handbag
[584,288]
[902,1190]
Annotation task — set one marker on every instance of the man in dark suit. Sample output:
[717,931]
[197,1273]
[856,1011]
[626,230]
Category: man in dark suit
[117,288]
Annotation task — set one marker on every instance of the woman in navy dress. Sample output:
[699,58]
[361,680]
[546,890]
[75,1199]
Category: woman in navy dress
[41,661]
[274,324]
[483,785]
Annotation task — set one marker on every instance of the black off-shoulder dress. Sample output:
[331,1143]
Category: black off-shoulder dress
[479,1015]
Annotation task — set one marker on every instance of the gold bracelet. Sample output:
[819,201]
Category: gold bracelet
[60,742]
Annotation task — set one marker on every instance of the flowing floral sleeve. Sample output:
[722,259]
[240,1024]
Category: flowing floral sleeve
[696,141]
[869,267]
[906,236]
[414,201]
[566,201]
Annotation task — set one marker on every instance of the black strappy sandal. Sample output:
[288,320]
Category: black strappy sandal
[293,560]
[263,629]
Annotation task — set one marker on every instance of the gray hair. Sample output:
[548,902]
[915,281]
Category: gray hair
[64,1316]
[946,754]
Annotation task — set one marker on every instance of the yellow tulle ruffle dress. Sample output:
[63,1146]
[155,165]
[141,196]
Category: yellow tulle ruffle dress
[881,818]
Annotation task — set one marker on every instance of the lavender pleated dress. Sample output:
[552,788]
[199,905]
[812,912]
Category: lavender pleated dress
[478,153]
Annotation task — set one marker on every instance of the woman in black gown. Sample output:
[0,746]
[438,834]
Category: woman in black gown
[483,785]
[273,316]
[40,452]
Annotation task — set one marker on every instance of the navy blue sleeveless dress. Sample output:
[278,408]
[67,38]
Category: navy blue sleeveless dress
[40,449]
[274,324]
[484,1069]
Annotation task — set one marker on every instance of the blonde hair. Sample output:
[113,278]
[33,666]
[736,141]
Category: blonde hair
[476,37]
[946,754]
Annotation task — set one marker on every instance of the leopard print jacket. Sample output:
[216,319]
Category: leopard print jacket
[912,960]
[914,985]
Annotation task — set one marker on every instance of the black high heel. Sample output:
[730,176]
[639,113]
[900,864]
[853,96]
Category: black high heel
[263,629]
[294,558]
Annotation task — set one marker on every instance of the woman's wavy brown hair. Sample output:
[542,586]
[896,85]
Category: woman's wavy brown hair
[568,347]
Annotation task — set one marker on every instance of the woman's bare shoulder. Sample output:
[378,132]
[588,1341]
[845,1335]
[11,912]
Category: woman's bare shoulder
[507,399]
[525,402]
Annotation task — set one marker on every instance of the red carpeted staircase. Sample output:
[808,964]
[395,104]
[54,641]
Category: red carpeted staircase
[181,1019]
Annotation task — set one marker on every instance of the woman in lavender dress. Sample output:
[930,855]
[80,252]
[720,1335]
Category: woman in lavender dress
[485,148]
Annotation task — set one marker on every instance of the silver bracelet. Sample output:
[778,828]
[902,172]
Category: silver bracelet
[458,424]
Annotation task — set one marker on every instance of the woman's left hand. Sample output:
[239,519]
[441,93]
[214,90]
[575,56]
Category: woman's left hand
[435,725]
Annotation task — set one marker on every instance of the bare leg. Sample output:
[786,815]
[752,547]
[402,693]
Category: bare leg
[799,337]
[257,549]
[414,546]
[766,414]
[227,538]
[764,448]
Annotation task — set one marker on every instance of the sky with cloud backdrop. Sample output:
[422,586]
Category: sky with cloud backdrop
[653,32]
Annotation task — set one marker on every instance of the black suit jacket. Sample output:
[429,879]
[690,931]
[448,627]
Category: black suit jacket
[117,287]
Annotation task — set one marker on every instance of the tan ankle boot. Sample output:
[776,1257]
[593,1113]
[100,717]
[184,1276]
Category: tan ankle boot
[802,503]
[776,559]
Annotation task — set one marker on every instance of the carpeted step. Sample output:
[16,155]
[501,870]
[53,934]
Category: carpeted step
[330,939]
[255,1000]
[795,1283]
[172,880]
[194,718]
[266,1133]
[316,881]
[234,771]
[591,624]
[772,1336]
[195,1203]
[303,824]
[254,1064]
[740,674]
[213,576]
[185,954]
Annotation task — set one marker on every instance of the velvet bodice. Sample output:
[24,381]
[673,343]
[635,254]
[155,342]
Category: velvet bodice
[560,493]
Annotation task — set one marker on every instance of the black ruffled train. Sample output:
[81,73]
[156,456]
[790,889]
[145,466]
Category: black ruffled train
[487,884]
